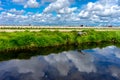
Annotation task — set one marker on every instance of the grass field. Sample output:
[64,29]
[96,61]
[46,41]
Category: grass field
[45,38]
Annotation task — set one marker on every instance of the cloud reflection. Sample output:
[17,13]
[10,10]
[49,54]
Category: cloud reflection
[37,67]
[110,52]
[71,65]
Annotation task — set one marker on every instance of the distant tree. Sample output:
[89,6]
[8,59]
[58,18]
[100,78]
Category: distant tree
[81,25]
[29,24]
[110,26]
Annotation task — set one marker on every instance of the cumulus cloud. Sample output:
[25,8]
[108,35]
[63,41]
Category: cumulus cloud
[31,4]
[12,18]
[101,11]
[64,13]
[27,3]
[67,10]
[20,17]
[60,6]
[57,5]
[14,11]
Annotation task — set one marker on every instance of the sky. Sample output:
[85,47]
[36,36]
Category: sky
[60,12]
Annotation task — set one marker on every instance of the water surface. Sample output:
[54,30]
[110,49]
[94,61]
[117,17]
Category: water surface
[86,64]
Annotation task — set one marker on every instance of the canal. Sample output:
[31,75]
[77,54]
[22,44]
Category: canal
[73,63]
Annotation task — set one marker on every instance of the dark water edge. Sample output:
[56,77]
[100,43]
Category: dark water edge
[28,52]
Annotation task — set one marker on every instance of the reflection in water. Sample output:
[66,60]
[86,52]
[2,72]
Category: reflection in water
[93,64]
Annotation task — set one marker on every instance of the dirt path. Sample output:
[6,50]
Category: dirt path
[62,29]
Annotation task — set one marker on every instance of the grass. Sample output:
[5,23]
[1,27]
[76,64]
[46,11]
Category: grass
[44,38]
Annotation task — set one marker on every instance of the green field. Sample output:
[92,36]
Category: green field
[45,38]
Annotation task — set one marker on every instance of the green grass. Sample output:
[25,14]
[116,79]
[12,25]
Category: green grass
[46,38]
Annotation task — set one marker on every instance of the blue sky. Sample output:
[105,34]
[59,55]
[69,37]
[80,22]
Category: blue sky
[60,12]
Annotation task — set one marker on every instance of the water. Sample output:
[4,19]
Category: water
[87,64]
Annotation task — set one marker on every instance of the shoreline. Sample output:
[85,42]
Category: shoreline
[26,53]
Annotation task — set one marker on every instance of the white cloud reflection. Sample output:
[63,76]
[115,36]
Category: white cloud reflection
[59,65]
[108,51]
[62,64]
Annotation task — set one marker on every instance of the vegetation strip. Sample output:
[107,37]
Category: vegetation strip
[16,40]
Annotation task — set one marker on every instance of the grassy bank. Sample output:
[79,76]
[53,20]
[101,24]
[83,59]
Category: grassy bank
[15,40]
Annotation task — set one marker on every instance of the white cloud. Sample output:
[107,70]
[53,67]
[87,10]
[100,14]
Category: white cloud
[101,11]
[67,10]
[31,4]
[19,17]
[12,16]
[84,14]
[64,13]
[57,5]
[27,3]
[9,18]
[14,11]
